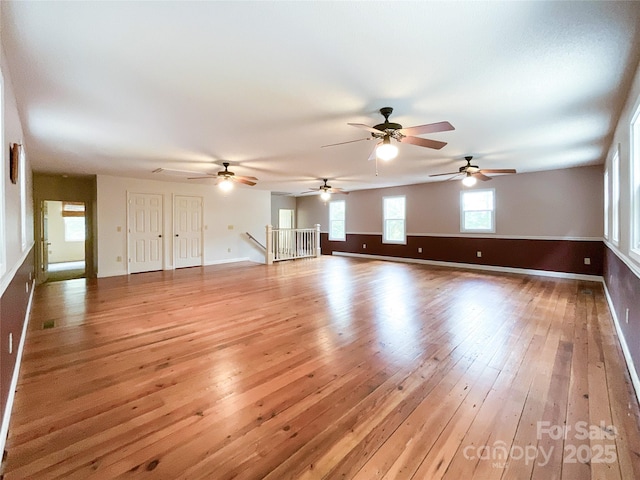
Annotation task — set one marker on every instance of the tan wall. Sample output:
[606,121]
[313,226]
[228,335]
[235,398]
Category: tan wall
[559,203]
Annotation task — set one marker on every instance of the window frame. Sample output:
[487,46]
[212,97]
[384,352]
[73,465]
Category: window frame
[615,197]
[22,173]
[607,204]
[385,219]
[343,220]
[4,161]
[492,229]
[634,165]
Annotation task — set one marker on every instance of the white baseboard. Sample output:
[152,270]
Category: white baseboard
[635,380]
[6,417]
[473,266]
[227,260]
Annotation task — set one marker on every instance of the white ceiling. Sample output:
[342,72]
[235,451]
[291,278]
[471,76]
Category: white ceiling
[123,88]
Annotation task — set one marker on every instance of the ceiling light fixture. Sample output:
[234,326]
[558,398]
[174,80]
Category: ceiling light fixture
[469,180]
[325,196]
[386,151]
[226,185]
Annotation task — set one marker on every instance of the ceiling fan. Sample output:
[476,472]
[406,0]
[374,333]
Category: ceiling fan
[471,173]
[326,190]
[386,131]
[226,177]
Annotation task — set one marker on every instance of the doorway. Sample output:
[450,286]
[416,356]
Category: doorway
[63,234]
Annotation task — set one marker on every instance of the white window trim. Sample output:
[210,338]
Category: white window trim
[615,197]
[404,230]
[23,198]
[493,212]
[3,160]
[634,163]
[343,220]
[607,204]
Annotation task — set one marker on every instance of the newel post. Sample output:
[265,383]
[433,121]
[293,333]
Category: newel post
[268,255]
[318,250]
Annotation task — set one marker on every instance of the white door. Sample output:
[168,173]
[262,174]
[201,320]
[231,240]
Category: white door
[145,232]
[187,231]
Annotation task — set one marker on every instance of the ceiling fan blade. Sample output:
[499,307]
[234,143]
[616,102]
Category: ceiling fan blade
[372,156]
[423,142]
[344,143]
[443,174]
[429,128]
[480,176]
[199,178]
[497,170]
[337,190]
[243,180]
[366,127]
[246,177]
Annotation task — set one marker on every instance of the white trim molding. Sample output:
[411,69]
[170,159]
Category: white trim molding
[473,266]
[490,236]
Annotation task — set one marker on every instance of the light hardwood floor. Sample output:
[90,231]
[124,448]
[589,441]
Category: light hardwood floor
[325,368]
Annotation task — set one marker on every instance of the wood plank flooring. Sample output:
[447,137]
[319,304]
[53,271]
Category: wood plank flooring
[329,368]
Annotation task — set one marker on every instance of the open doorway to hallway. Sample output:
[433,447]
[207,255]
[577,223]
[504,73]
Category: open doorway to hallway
[63,240]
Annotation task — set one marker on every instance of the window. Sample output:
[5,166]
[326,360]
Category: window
[615,198]
[477,211]
[23,199]
[337,230]
[606,203]
[73,215]
[394,227]
[635,185]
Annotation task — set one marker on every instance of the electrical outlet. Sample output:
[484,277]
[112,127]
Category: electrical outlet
[118,228]
[478,254]
[626,316]
[229,227]
[364,245]
[118,258]
[587,261]
[419,249]
[228,250]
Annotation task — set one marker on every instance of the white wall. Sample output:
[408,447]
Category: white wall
[244,209]
[60,250]
[12,133]
[563,203]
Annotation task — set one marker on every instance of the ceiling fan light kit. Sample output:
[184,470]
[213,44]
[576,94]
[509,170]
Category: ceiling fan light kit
[225,185]
[469,180]
[386,151]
